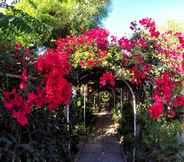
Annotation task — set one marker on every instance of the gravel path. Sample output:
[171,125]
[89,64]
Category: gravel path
[102,144]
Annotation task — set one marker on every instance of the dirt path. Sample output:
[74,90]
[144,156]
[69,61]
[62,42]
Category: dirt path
[102,144]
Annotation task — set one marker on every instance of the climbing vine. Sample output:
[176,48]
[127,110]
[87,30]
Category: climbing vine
[149,59]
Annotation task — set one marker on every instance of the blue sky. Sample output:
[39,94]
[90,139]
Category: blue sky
[122,12]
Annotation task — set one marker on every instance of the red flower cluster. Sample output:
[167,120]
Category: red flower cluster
[107,78]
[150,24]
[24,79]
[172,51]
[90,63]
[164,87]
[156,110]
[54,65]
[178,101]
[53,62]
[180,36]
[142,42]
[21,105]
[95,37]
[126,43]
[162,94]
[139,74]
[18,106]
[99,35]
[58,91]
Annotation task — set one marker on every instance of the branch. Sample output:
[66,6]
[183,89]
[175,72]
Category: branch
[14,75]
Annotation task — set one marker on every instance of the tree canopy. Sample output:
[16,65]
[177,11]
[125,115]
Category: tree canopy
[66,16]
[35,22]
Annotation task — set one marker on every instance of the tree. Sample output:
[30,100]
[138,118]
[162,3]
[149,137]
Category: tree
[66,16]
[18,26]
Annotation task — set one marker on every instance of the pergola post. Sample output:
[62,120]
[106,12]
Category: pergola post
[84,110]
[114,99]
[68,127]
[135,117]
[121,102]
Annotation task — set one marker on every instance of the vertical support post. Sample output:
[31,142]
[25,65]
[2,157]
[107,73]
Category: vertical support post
[94,101]
[114,92]
[68,116]
[135,126]
[84,110]
[135,117]
[68,127]
[121,102]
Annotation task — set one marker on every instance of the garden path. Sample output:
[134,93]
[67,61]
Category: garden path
[102,144]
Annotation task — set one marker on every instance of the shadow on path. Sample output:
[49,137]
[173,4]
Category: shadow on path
[102,144]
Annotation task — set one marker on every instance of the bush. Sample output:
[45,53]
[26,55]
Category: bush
[47,138]
[156,139]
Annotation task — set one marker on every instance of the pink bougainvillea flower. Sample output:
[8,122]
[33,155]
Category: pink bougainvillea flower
[142,42]
[125,43]
[20,117]
[58,91]
[90,63]
[139,74]
[155,110]
[53,59]
[102,54]
[107,78]
[8,105]
[23,85]
[178,101]
[150,24]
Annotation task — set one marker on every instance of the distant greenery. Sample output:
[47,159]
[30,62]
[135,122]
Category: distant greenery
[172,25]
[35,22]
[18,26]
[66,16]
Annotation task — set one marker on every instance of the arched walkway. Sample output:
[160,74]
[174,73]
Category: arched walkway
[102,144]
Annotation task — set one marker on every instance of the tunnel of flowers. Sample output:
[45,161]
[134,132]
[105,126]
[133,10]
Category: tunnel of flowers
[42,94]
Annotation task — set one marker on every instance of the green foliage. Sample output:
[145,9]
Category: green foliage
[104,96]
[66,16]
[77,115]
[159,140]
[17,26]
[156,140]
[45,139]
[32,22]
[116,114]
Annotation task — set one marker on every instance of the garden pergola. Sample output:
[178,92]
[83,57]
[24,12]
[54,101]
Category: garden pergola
[149,61]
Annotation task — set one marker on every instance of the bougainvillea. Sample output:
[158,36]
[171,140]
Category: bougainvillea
[18,106]
[147,58]
[107,78]
[150,24]
[139,74]
[162,94]
[57,91]
[156,110]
